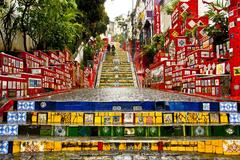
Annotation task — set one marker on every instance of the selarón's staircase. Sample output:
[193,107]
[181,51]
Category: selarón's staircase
[116,71]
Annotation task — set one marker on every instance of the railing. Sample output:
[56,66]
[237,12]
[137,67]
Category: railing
[133,69]
[7,106]
[96,79]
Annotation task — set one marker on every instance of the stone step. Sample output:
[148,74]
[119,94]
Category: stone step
[114,85]
[119,77]
[114,81]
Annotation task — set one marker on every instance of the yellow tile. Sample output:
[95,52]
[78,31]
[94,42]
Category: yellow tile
[122,147]
[174,142]
[166,148]
[158,120]
[219,150]
[48,146]
[34,117]
[98,120]
[223,118]
[209,142]
[208,149]
[94,148]
[195,149]
[185,142]
[151,114]
[181,149]
[101,114]
[201,143]
[154,147]
[96,114]
[111,114]
[174,148]
[145,114]
[16,147]
[189,149]
[138,114]
[138,146]
[57,146]
[158,114]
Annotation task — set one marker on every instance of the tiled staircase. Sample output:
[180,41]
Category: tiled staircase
[116,71]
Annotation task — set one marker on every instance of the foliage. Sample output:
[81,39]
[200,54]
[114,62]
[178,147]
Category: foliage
[94,17]
[53,26]
[159,39]
[119,38]
[58,24]
[217,13]
[9,25]
[149,51]
[170,7]
[24,9]
[99,43]
[88,53]
[185,15]
[122,22]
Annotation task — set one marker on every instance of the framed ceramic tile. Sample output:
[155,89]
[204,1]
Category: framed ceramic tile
[192,117]
[4,84]
[4,94]
[65,117]
[168,118]
[129,131]
[228,107]
[180,117]
[14,85]
[234,117]
[149,120]
[17,64]
[5,60]
[89,118]
[129,118]
[60,131]
[206,106]
[12,117]
[22,117]
[107,120]
[26,106]
[116,119]
[4,147]
[9,84]
[217,82]
[21,64]
[42,117]
[32,146]
[18,85]
[214,118]
[140,120]
[6,69]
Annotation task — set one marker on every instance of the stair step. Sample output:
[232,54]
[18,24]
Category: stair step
[113,81]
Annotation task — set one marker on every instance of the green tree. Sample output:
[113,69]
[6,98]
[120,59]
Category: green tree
[24,8]
[218,13]
[53,24]
[94,17]
[9,25]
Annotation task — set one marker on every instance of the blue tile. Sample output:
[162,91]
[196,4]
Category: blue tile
[12,117]
[26,106]
[234,117]
[3,147]
[228,106]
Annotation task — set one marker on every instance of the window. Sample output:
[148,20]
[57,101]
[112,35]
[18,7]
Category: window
[34,83]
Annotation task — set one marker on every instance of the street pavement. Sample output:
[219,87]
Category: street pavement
[112,155]
[122,94]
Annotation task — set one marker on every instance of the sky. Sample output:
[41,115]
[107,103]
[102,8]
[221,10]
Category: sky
[115,8]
